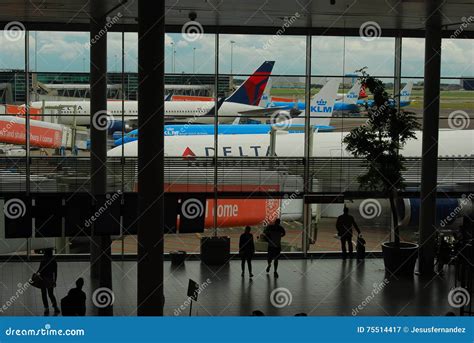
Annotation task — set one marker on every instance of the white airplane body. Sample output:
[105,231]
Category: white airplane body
[452,143]
[176,111]
[243,101]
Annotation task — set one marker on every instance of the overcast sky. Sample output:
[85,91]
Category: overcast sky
[60,51]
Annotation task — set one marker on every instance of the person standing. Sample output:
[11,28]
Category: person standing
[74,303]
[246,250]
[48,271]
[273,234]
[344,225]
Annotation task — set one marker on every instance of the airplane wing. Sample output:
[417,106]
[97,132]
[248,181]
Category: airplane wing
[263,112]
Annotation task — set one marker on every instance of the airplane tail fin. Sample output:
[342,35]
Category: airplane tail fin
[353,95]
[322,105]
[266,98]
[250,92]
[169,96]
[405,93]
[362,93]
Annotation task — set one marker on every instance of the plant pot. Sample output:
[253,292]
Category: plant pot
[215,250]
[400,259]
[178,257]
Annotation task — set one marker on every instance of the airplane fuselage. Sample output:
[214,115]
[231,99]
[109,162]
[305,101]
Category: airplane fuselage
[193,112]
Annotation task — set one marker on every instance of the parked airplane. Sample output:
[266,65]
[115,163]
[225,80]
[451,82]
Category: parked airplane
[349,102]
[255,211]
[405,95]
[346,103]
[243,102]
[451,143]
[322,106]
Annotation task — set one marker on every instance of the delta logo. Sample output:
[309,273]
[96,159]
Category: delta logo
[188,153]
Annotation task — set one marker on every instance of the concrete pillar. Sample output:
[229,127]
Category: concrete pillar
[101,266]
[429,165]
[151,34]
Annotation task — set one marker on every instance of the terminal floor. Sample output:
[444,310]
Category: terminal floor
[325,239]
[324,287]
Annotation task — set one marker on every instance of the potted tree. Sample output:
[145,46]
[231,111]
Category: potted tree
[378,141]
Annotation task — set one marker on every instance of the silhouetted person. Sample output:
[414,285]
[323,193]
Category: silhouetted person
[48,271]
[344,225]
[74,303]
[360,248]
[246,250]
[273,234]
[443,255]
[258,313]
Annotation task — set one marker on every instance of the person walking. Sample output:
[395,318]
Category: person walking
[48,272]
[345,223]
[246,250]
[273,234]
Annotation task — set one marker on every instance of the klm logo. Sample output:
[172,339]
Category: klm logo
[321,107]
[352,95]
[405,93]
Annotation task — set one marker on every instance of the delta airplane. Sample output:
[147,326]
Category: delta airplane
[451,143]
[322,106]
[243,102]
[242,212]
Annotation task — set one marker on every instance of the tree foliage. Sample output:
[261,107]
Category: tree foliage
[379,140]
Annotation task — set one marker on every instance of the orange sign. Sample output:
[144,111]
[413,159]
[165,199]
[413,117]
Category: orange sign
[234,212]
[21,110]
[13,131]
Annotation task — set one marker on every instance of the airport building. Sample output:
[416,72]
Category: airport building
[153,133]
